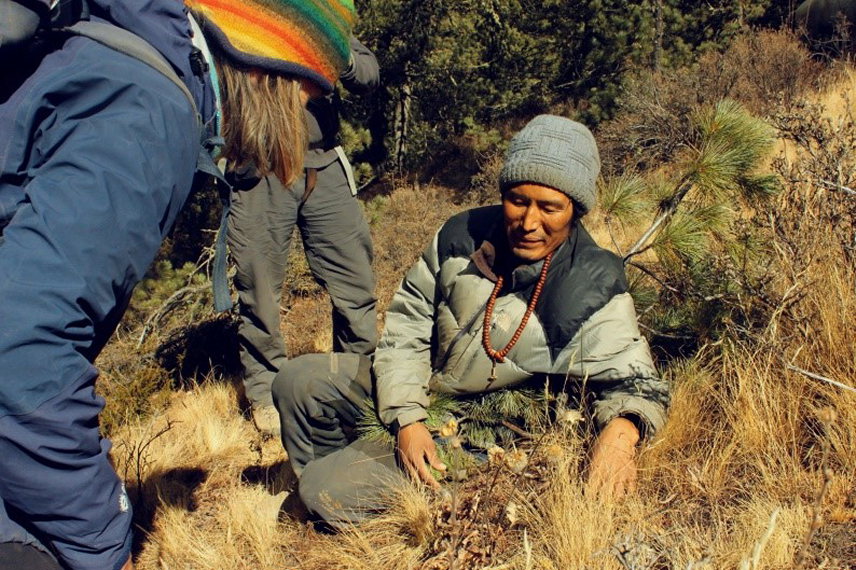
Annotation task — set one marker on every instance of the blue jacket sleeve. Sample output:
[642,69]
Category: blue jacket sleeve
[100,155]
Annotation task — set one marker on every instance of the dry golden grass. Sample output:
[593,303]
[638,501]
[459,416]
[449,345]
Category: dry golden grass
[194,468]
[397,539]
[733,481]
[410,217]
[743,442]
[837,98]
[209,489]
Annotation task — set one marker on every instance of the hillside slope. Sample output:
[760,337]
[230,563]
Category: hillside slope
[756,468]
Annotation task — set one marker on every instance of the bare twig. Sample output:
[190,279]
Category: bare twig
[834,186]
[456,531]
[827,418]
[617,247]
[137,458]
[755,560]
[535,448]
[652,275]
[490,487]
[516,429]
[666,335]
[171,303]
[819,377]
[365,185]
[619,555]
[816,519]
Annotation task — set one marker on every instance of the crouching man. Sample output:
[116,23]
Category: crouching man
[504,296]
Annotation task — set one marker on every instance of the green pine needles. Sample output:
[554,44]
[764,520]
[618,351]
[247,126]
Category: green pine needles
[702,252]
[717,178]
[733,145]
[467,425]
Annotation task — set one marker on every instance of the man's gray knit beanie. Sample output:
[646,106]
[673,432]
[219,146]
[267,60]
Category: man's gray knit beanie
[556,152]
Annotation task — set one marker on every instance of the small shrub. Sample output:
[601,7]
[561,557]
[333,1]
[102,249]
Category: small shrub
[763,71]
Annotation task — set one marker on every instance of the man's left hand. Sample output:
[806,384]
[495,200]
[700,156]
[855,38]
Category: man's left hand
[612,471]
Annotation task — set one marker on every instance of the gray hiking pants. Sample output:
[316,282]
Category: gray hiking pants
[338,247]
[342,479]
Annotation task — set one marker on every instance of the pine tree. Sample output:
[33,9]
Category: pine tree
[462,68]
[693,258]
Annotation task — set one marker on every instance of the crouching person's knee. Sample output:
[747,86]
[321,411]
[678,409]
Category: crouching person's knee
[294,383]
[308,380]
[351,484]
[332,499]
[323,502]
[283,390]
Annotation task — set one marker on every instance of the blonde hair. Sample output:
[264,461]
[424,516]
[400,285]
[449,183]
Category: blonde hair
[263,121]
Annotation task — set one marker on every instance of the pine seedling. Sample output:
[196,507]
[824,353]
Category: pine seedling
[688,234]
[489,418]
[525,404]
[719,171]
[694,233]
[440,410]
[623,200]
[643,291]
[370,428]
[482,436]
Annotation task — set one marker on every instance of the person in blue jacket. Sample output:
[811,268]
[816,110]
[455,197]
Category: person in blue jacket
[98,152]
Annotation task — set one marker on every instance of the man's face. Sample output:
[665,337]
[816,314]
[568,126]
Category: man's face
[537,220]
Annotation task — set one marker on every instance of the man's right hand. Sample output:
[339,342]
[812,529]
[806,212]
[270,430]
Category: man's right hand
[417,451]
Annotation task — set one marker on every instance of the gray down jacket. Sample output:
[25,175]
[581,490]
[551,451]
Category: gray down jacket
[583,328]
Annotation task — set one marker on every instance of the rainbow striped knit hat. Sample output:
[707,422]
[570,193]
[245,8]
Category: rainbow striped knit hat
[304,38]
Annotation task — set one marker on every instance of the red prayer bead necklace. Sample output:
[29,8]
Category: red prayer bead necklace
[498,356]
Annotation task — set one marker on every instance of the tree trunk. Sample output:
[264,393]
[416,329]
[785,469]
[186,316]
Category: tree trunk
[402,120]
[658,34]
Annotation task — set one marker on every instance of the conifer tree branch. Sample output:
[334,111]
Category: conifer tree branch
[651,274]
[665,215]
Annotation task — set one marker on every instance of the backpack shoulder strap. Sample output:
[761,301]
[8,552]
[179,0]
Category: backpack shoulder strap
[134,46]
